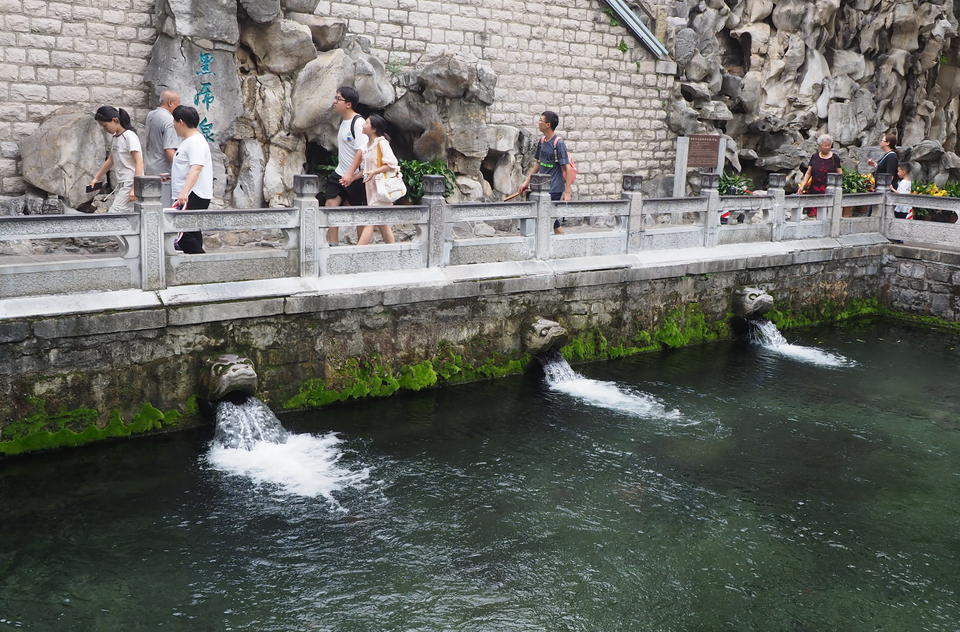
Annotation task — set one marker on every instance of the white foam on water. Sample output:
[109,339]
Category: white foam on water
[306,465]
[250,443]
[562,378]
[766,334]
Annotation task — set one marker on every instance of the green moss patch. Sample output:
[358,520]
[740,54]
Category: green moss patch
[357,379]
[684,326]
[826,312]
[44,430]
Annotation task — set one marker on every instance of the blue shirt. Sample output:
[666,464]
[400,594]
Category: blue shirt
[552,155]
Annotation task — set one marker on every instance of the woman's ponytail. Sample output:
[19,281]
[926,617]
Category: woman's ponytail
[124,119]
[108,113]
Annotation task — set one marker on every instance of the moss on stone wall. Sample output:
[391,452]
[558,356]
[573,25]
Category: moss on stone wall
[357,379]
[44,430]
[684,326]
[826,312]
[931,322]
[376,377]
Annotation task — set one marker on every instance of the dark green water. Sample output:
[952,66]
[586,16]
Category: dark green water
[780,496]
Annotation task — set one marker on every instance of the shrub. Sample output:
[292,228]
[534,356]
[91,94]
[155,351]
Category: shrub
[735,184]
[413,172]
[855,182]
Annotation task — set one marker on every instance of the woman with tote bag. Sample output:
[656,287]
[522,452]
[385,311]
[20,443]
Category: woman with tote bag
[381,175]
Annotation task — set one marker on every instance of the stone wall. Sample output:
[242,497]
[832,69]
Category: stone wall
[565,56]
[561,56]
[923,281]
[74,371]
[71,52]
[775,74]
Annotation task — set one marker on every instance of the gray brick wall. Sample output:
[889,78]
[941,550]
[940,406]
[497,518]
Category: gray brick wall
[71,52]
[559,55]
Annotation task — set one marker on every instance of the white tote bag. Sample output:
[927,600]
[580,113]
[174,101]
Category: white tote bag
[389,185]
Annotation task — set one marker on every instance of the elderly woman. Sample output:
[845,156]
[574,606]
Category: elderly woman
[824,161]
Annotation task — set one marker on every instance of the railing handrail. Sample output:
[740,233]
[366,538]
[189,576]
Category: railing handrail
[125,225]
[639,226]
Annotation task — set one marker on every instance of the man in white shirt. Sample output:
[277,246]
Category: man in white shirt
[161,143]
[345,183]
[191,174]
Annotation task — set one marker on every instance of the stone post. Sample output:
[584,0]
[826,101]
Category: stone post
[778,214]
[680,167]
[635,228]
[433,189]
[540,196]
[884,211]
[709,183]
[835,189]
[153,266]
[305,190]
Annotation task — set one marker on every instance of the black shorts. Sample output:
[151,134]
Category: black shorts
[353,195]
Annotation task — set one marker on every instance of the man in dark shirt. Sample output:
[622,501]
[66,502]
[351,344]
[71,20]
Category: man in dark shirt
[553,160]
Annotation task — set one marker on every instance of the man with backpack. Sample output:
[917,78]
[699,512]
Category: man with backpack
[344,184]
[552,159]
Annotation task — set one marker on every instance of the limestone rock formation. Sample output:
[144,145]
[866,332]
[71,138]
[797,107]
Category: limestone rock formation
[318,82]
[64,154]
[327,33]
[443,115]
[282,47]
[206,21]
[205,78]
[261,11]
[775,74]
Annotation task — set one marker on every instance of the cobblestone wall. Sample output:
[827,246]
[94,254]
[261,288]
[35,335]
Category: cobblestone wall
[119,360]
[923,281]
[562,56]
[70,52]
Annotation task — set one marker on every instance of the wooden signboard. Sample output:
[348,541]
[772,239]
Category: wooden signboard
[704,151]
[700,151]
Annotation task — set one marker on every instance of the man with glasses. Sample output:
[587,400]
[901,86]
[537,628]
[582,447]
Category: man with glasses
[344,184]
[553,160]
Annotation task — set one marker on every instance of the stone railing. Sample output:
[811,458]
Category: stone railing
[632,224]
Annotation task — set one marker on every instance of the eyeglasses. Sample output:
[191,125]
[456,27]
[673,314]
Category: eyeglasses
[338,98]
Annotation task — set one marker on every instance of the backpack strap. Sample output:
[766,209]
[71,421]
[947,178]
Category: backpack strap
[353,127]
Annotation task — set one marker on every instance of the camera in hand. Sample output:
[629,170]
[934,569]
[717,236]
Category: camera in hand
[96,187]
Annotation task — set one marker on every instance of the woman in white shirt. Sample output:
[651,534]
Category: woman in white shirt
[191,174]
[378,157]
[125,160]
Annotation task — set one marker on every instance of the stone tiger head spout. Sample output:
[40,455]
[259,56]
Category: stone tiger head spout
[544,336]
[227,375]
[751,302]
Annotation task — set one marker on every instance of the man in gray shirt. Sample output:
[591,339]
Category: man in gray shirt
[161,143]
